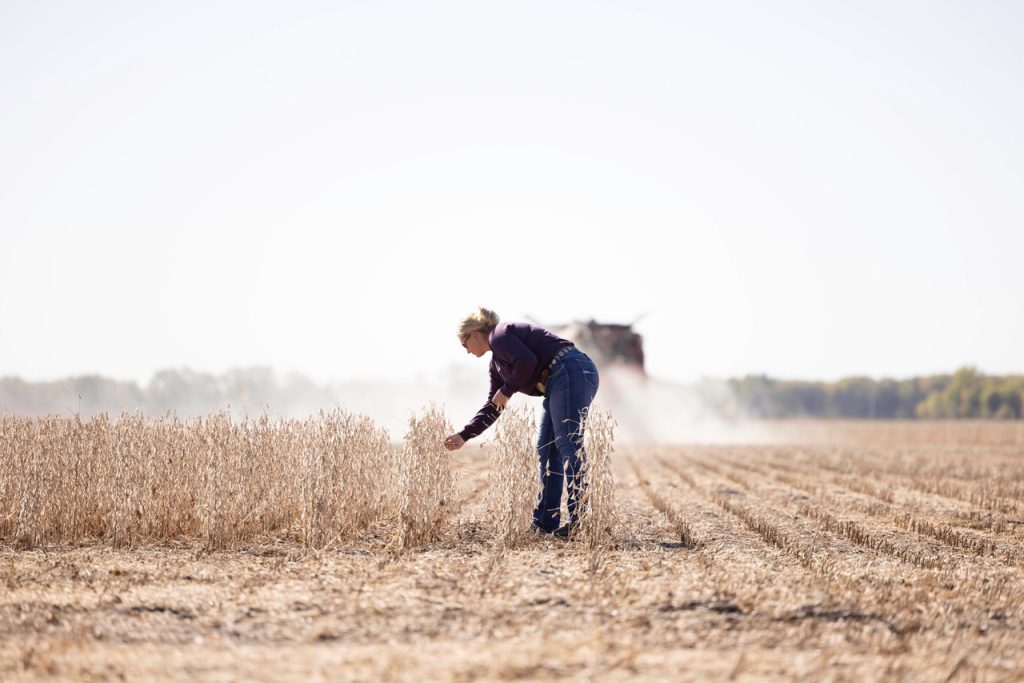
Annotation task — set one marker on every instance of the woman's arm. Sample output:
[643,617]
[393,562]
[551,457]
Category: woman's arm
[486,416]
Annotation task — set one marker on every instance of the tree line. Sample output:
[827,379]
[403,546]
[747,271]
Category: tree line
[967,393]
[182,390]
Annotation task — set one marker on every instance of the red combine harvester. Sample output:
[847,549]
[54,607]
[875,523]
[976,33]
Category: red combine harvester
[609,344]
[636,400]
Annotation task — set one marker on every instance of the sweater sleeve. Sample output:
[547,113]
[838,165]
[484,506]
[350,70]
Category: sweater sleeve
[486,416]
[523,360]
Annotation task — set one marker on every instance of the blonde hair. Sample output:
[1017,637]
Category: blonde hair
[481,319]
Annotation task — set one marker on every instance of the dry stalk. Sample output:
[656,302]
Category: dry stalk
[133,479]
[345,477]
[514,484]
[685,530]
[598,514]
[426,487]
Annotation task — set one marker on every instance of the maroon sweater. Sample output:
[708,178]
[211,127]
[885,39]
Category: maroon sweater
[519,351]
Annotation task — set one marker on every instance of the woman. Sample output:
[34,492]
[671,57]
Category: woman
[533,361]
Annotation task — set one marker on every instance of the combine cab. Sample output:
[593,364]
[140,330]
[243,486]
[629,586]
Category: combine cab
[608,344]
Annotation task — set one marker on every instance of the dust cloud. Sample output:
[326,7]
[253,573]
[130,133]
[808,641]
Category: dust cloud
[646,409]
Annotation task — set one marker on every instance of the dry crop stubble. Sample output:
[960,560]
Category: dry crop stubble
[599,521]
[513,480]
[346,479]
[911,577]
[854,502]
[329,478]
[425,485]
[133,480]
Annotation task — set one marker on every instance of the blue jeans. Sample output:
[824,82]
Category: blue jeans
[571,387]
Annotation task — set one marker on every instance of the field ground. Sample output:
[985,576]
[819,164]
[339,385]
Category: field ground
[860,552]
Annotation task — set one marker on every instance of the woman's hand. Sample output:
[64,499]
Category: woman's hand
[454,442]
[499,399]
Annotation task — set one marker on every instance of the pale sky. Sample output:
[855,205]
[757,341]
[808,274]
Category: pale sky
[804,189]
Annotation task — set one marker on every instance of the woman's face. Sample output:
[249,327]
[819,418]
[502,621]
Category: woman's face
[475,343]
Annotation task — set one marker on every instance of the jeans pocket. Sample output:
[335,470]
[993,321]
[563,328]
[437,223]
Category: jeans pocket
[590,376]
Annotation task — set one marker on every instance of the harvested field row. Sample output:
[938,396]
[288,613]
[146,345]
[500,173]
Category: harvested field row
[841,493]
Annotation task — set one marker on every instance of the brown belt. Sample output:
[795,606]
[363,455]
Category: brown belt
[542,384]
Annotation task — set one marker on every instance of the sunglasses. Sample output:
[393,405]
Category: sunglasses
[464,340]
